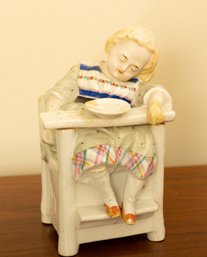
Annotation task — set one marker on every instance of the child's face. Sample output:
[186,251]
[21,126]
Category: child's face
[126,59]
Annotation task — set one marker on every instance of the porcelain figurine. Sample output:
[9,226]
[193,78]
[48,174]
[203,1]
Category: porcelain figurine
[130,64]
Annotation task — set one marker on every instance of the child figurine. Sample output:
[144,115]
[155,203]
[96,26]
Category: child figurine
[132,57]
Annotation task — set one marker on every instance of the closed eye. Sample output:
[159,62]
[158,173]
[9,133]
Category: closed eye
[123,58]
[134,68]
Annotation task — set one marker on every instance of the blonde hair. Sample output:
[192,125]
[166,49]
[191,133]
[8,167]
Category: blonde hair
[143,37]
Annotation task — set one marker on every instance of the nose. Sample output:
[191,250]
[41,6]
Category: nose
[122,68]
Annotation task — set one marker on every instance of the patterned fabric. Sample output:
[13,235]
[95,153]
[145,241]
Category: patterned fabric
[93,83]
[110,142]
[140,165]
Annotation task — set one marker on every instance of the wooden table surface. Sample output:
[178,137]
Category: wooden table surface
[185,208]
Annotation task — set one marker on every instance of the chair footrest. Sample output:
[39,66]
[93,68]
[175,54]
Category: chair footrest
[92,213]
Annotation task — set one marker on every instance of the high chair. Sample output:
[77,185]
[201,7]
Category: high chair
[76,210]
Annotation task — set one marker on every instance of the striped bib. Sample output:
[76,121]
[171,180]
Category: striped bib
[93,83]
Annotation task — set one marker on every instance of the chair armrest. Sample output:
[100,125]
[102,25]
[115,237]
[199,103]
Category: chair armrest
[84,119]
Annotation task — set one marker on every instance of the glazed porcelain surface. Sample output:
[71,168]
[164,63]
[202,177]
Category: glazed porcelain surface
[102,142]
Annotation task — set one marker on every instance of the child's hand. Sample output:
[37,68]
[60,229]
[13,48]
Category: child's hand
[154,113]
[47,137]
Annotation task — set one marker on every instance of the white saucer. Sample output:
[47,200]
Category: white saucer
[108,107]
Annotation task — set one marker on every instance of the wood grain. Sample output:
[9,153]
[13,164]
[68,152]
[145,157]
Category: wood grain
[185,208]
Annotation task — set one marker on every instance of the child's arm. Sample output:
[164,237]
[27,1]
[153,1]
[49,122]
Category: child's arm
[154,110]
[64,91]
[157,100]
[52,104]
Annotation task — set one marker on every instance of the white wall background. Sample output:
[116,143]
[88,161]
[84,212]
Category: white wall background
[41,39]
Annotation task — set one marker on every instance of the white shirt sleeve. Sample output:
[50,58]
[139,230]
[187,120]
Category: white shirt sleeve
[165,97]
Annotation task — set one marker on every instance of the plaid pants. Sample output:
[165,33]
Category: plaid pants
[141,165]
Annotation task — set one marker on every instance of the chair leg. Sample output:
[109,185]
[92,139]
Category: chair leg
[158,234]
[67,216]
[158,231]
[67,248]
[46,196]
